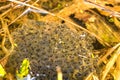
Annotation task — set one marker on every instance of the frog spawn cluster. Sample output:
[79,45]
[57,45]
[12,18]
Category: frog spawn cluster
[48,45]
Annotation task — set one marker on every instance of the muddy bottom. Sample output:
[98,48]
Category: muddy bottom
[48,45]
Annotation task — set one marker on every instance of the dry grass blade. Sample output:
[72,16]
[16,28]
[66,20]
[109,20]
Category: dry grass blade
[89,77]
[103,8]
[26,11]
[95,77]
[5,13]
[31,6]
[9,10]
[117,22]
[110,64]
[6,6]
[116,72]
[108,53]
[4,49]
